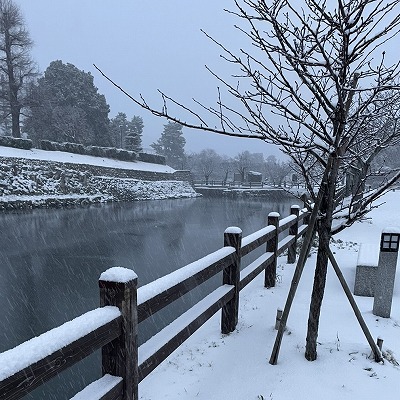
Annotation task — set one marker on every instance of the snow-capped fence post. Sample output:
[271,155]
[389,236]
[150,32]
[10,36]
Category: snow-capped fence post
[118,287]
[272,247]
[231,276]
[293,230]
[306,204]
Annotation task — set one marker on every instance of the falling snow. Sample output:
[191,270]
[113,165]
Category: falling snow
[214,366]
[49,342]
[45,185]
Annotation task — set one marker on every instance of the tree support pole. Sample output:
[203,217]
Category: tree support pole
[305,250]
[375,349]
[293,288]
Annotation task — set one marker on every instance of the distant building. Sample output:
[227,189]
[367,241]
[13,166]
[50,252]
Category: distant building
[254,177]
[237,177]
[251,177]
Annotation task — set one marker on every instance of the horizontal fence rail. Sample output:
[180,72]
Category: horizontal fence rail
[107,387]
[34,362]
[163,291]
[160,346]
[113,327]
[222,183]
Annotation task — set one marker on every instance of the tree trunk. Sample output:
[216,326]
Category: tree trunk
[13,87]
[324,232]
[15,114]
[226,177]
[317,296]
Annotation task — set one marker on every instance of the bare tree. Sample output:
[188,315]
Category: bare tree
[313,70]
[16,65]
[226,167]
[380,128]
[207,163]
[242,164]
[276,170]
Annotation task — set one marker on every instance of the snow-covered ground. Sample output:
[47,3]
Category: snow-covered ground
[60,156]
[235,367]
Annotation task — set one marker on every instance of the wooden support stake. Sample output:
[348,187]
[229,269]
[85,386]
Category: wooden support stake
[120,357]
[360,319]
[231,276]
[278,318]
[305,250]
[293,230]
[272,247]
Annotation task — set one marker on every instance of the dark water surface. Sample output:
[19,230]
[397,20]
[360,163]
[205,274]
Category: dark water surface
[50,261]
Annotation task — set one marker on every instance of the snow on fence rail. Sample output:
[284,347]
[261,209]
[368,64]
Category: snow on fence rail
[228,184]
[35,361]
[114,326]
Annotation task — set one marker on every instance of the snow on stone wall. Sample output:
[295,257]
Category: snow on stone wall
[33,182]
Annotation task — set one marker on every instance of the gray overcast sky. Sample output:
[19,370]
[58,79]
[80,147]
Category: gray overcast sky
[143,45]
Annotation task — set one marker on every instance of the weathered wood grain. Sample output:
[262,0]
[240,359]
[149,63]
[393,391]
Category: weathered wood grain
[272,247]
[120,357]
[23,382]
[231,276]
[172,343]
[254,269]
[158,302]
[293,230]
[249,247]
[284,244]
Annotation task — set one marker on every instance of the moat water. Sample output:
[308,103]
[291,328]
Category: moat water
[50,262]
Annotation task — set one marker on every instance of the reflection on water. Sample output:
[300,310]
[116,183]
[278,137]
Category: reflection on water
[51,261]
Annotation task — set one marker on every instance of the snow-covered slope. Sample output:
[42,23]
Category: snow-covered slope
[59,156]
[56,178]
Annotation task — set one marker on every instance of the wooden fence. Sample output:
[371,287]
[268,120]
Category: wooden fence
[247,185]
[229,184]
[114,326]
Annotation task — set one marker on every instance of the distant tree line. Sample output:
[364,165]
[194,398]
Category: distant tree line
[208,165]
[62,104]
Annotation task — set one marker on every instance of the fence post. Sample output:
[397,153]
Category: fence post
[272,247]
[306,204]
[118,287]
[231,276]
[293,230]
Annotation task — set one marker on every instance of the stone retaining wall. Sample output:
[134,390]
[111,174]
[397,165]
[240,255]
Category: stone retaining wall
[23,164]
[27,179]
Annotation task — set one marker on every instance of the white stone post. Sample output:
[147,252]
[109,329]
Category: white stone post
[386,272]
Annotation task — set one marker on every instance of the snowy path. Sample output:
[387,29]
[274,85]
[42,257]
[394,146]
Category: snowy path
[212,366]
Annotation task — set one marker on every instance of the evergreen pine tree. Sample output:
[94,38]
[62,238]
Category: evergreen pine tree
[65,105]
[171,144]
[133,139]
[119,126]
